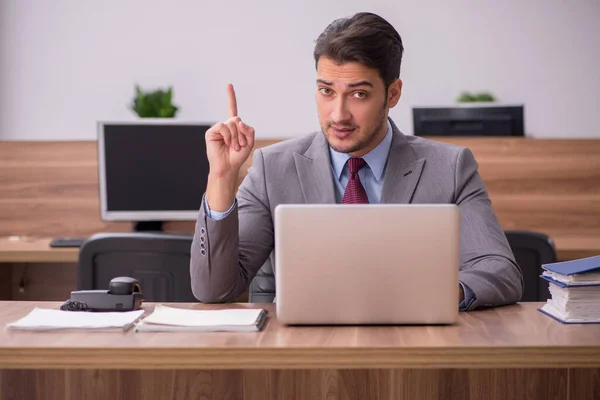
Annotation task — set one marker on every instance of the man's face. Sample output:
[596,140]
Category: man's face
[352,106]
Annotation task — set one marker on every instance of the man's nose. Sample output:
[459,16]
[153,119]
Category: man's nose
[340,111]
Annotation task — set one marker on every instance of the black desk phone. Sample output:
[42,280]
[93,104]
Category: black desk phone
[123,294]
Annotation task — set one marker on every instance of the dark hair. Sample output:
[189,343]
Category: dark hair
[365,38]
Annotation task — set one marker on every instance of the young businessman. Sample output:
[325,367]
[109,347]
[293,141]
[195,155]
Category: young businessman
[359,157]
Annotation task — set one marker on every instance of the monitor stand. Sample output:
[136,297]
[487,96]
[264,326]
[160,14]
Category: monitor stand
[148,226]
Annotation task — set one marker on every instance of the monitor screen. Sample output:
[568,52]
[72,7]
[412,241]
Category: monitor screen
[152,170]
[469,120]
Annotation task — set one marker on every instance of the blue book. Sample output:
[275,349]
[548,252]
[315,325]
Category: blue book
[582,272]
[550,279]
[580,266]
[565,320]
[575,291]
[577,304]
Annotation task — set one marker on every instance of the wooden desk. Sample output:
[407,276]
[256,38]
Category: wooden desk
[29,249]
[574,247]
[512,352]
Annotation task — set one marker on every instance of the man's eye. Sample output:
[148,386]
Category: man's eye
[359,95]
[325,90]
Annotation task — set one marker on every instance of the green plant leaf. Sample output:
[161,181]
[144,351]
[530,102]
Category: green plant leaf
[168,96]
[154,104]
[465,97]
[485,96]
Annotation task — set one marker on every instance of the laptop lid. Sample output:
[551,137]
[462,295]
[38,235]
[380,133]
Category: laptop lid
[367,264]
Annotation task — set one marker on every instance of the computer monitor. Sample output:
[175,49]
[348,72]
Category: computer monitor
[151,170]
[469,120]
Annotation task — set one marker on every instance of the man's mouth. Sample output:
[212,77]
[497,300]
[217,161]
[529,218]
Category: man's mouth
[342,132]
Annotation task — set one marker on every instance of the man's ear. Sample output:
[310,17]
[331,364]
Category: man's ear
[394,93]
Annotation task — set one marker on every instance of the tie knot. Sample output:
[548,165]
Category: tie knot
[355,164]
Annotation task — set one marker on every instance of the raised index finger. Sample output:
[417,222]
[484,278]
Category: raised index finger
[231,101]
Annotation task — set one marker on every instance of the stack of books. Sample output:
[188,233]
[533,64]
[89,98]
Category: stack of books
[574,290]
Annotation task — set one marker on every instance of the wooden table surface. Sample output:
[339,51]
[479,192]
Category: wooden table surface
[516,336]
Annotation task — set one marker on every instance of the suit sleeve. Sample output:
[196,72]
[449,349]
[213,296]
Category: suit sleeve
[227,253]
[487,264]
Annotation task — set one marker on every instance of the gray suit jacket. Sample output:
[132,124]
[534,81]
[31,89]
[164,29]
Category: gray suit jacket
[227,254]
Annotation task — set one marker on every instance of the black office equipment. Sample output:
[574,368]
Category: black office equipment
[469,120]
[160,262]
[124,294]
[151,171]
[67,242]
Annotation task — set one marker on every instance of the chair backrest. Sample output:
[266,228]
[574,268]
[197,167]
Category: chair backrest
[531,250]
[262,287]
[159,261]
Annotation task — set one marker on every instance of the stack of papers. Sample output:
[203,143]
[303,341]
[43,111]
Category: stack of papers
[574,290]
[165,319]
[40,319]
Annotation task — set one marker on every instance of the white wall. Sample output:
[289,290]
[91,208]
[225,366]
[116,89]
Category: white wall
[66,63]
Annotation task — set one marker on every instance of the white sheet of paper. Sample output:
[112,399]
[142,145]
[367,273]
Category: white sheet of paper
[163,315]
[46,319]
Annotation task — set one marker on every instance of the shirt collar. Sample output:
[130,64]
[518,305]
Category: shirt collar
[376,159]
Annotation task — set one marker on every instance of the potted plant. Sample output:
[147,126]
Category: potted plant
[154,104]
[482,97]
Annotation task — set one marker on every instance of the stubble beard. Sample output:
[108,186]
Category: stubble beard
[366,140]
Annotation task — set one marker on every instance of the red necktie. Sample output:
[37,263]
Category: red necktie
[355,192]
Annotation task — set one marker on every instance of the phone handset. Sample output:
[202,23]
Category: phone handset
[124,285]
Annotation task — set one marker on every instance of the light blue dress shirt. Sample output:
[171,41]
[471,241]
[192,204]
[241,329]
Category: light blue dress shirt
[371,176]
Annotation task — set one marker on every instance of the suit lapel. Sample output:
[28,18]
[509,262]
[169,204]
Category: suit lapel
[403,170]
[314,172]
[402,173]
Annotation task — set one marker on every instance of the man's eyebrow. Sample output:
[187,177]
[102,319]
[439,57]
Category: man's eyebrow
[350,85]
[361,83]
[324,82]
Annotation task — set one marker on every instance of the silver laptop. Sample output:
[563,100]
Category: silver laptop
[367,264]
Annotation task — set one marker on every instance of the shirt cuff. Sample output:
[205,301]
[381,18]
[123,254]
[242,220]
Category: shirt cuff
[216,215]
[469,298]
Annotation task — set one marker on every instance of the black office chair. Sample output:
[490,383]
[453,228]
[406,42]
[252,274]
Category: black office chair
[262,287]
[159,261]
[531,250]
